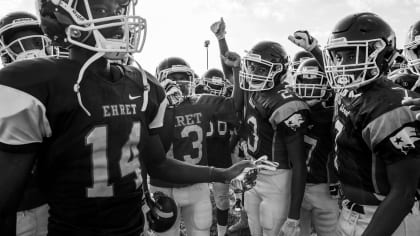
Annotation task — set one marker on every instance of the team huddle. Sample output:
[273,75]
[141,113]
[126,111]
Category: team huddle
[91,144]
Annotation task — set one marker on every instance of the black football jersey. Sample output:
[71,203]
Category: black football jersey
[218,143]
[89,165]
[186,126]
[319,143]
[373,130]
[269,116]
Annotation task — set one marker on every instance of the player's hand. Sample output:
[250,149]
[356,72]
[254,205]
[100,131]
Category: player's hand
[219,28]
[414,104]
[236,170]
[303,39]
[231,59]
[173,92]
[334,190]
[245,181]
[290,228]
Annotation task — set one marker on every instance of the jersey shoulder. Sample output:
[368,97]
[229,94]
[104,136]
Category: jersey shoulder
[390,95]
[377,120]
[278,104]
[24,73]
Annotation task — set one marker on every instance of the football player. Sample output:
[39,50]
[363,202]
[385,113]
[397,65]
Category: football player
[88,124]
[319,209]
[376,138]
[276,121]
[218,151]
[186,123]
[219,30]
[21,38]
[299,58]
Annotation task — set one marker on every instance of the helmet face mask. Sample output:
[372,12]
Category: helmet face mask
[258,74]
[21,38]
[263,67]
[412,53]
[107,26]
[181,75]
[215,85]
[310,82]
[213,82]
[351,64]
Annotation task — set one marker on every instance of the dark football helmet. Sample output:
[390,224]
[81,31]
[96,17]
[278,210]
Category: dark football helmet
[163,211]
[179,71]
[298,58]
[310,82]
[369,43]
[412,49]
[21,38]
[214,81]
[263,67]
[77,23]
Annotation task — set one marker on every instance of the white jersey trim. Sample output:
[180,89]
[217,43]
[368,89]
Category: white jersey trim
[23,118]
[158,120]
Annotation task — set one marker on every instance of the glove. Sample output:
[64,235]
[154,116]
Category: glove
[263,164]
[290,228]
[245,181]
[334,190]
[173,92]
[219,29]
[303,39]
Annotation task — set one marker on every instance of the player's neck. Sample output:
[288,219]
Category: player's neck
[100,66]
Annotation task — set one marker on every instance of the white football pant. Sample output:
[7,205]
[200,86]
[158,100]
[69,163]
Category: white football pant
[352,223]
[33,222]
[318,210]
[267,204]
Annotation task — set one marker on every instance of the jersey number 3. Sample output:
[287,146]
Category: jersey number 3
[129,162]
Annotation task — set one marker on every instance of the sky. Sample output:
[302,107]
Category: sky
[180,27]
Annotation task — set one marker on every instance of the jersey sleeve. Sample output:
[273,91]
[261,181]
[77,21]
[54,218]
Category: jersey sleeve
[295,123]
[394,135]
[157,104]
[289,116]
[23,120]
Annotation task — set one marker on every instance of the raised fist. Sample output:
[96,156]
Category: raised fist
[303,39]
[219,28]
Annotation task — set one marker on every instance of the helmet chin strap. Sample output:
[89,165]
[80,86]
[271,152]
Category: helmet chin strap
[76,86]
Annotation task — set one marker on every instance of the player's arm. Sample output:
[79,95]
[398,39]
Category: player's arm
[403,178]
[174,171]
[303,39]
[296,152]
[219,30]
[233,60]
[14,170]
